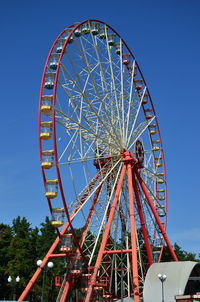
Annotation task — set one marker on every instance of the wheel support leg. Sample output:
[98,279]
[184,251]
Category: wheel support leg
[67,284]
[105,236]
[146,241]
[133,235]
[156,215]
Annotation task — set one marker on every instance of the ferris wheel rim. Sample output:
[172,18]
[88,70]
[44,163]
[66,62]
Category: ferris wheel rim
[54,92]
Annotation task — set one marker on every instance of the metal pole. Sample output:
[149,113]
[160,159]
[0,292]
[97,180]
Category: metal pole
[122,265]
[44,271]
[162,291]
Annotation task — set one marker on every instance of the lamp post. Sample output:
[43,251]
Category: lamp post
[13,284]
[44,269]
[162,279]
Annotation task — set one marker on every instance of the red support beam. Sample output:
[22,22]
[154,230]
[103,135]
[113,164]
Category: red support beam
[105,236]
[156,215]
[133,235]
[67,284]
[117,252]
[44,262]
[146,241]
[50,252]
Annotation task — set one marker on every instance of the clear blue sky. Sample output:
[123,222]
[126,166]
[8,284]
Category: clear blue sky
[165,39]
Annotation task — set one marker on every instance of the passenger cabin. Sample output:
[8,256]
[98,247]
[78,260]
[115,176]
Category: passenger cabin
[94,28]
[160,178]
[59,45]
[51,188]
[85,29]
[78,31]
[148,113]
[84,282]
[138,84]
[76,266]
[53,61]
[66,243]
[117,49]
[156,145]
[155,256]
[49,80]
[152,129]
[111,39]
[161,211]
[47,159]
[161,194]
[58,216]
[46,103]
[158,161]
[102,33]
[126,58]
[66,35]
[45,130]
[145,99]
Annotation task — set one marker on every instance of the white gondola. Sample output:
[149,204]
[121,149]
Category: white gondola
[59,45]
[53,61]
[161,211]
[94,28]
[85,29]
[49,80]
[66,35]
[102,33]
[111,39]
[118,48]
[51,188]
[156,255]
[78,31]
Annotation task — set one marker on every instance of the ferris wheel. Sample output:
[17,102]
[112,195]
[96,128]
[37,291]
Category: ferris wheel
[102,163]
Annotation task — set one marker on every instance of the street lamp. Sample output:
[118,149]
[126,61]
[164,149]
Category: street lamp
[162,279]
[49,265]
[13,284]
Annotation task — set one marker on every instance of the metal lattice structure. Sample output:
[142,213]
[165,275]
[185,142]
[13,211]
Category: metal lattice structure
[102,163]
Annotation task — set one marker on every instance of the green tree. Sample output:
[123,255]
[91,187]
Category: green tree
[20,252]
[180,253]
[5,239]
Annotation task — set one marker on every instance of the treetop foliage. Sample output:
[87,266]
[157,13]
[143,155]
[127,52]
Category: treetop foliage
[20,248]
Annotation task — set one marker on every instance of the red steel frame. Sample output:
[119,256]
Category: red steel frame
[129,167]
[132,170]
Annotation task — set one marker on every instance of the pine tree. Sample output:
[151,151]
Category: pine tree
[5,239]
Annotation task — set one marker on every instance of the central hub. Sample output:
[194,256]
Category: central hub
[136,158]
